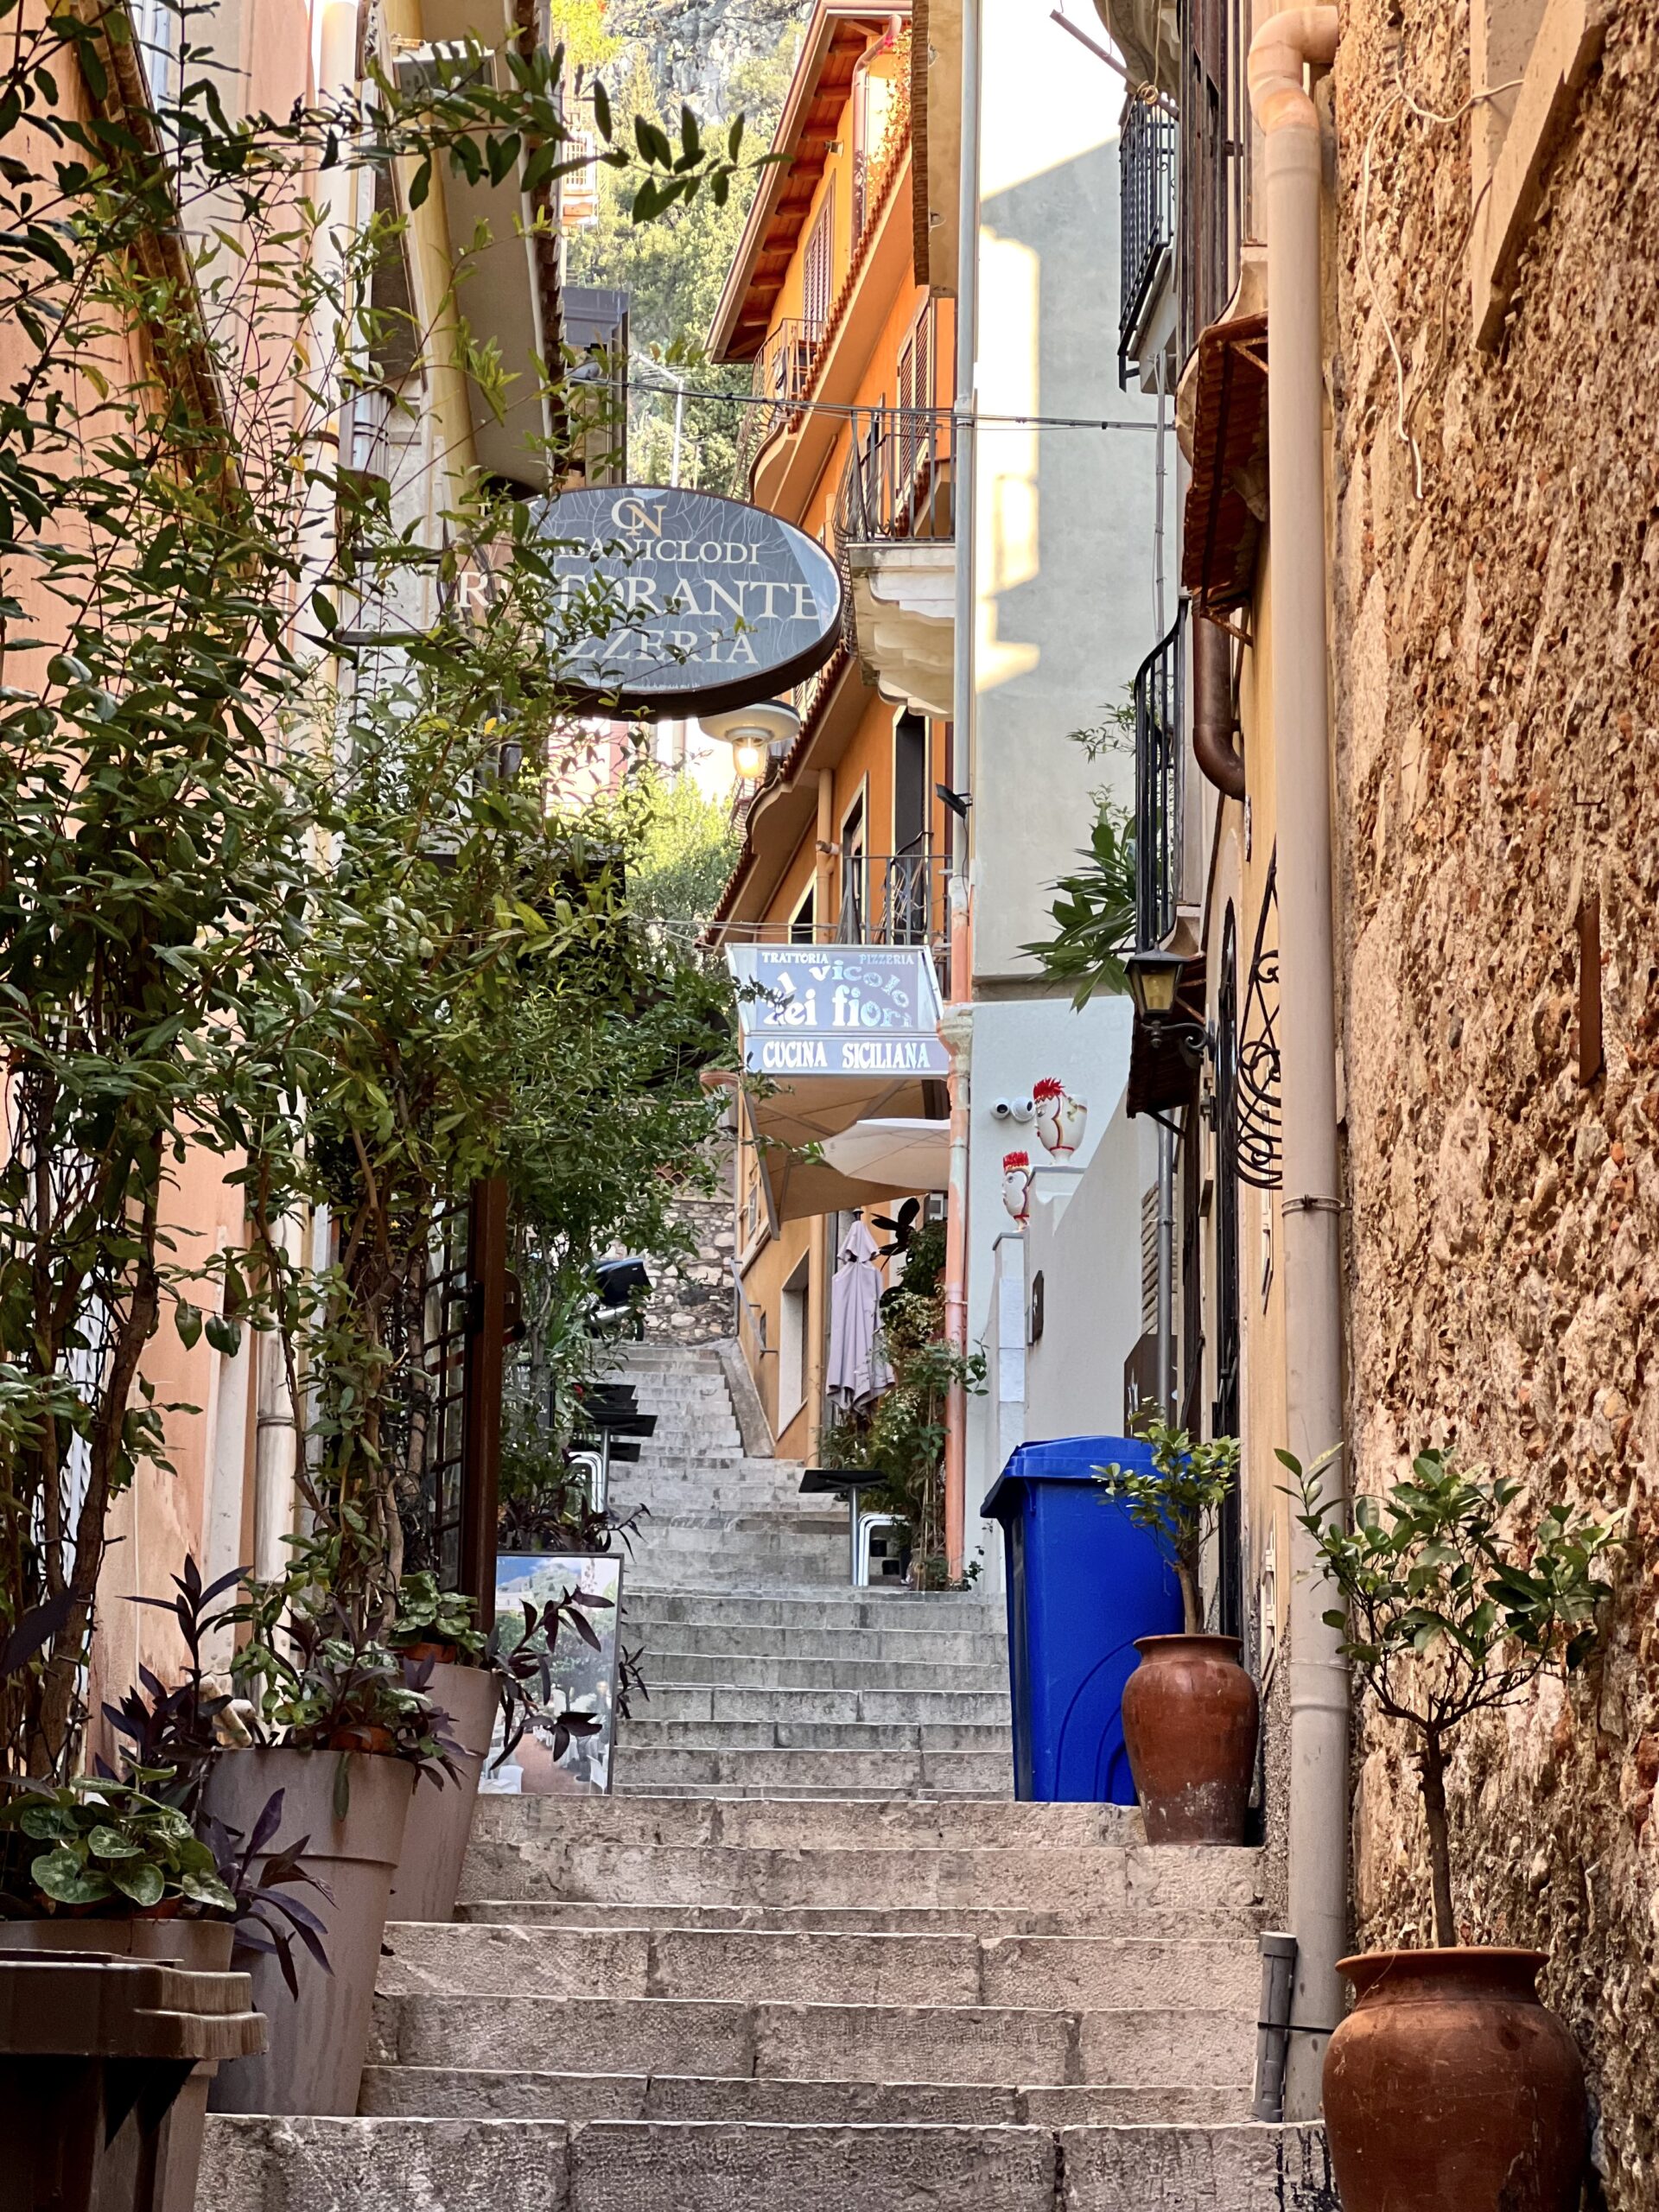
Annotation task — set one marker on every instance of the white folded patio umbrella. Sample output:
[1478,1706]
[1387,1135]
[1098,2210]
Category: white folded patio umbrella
[858,1368]
[900,1155]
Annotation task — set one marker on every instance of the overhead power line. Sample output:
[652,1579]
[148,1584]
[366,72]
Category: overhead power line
[845,414]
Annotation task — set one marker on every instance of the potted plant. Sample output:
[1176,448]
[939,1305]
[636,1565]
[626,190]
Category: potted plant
[439,1628]
[343,1725]
[1191,1715]
[1449,2083]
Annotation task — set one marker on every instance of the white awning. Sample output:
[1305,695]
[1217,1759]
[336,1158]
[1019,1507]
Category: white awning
[898,1155]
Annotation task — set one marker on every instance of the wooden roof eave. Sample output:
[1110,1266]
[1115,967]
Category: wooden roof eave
[811,110]
[1227,496]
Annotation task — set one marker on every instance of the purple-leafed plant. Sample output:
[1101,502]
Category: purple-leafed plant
[268,1920]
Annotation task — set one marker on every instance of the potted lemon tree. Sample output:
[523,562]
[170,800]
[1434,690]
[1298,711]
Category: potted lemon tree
[1449,2078]
[1191,1713]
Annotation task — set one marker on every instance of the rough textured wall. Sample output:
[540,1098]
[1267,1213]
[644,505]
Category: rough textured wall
[691,1298]
[1498,718]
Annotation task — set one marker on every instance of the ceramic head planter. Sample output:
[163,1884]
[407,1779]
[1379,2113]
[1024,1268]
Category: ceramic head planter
[1016,1186]
[1047,1096]
[1061,1119]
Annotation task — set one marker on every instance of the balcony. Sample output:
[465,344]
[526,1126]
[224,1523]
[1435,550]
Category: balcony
[1147,159]
[1158,788]
[782,373]
[895,536]
[884,899]
[890,898]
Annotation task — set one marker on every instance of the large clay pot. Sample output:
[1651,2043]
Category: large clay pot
[203,1946]
[440,1826]
[315,2062]
[1189,1722]
[1450,2086]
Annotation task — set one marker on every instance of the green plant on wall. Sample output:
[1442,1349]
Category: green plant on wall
[1178,1499]
[1455,1599]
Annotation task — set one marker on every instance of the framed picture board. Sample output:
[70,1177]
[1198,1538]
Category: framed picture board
[584,1680]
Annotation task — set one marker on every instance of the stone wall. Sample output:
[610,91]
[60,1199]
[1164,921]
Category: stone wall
[691,1298]
[1497,659]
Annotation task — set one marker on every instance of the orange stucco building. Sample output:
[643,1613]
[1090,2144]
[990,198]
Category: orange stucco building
[847,840]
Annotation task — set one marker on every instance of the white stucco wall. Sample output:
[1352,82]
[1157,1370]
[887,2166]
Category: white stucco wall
[1016,1042]
[1063,534]
[1062,518]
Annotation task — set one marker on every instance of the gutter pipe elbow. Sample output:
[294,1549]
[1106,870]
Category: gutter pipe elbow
[1216,745]
[1287,44]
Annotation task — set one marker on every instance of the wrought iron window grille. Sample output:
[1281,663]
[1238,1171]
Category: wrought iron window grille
[1258,1135]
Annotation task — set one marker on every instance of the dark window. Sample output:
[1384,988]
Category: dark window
[801,929]
[1215,163]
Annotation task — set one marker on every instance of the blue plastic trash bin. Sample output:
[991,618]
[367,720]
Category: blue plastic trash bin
[1083,1582]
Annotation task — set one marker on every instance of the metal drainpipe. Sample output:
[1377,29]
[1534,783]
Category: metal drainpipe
[957,1027]
[1165,1315]
[1287,41]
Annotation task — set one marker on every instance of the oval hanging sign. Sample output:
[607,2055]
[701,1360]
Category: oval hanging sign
[717,604]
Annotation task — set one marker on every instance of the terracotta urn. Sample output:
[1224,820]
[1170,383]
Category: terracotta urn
[1450,2085]
[1190,1720]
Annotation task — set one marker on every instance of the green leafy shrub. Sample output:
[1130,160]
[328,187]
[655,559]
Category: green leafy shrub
[1444,1615]
[1178,1499]
[103,1843]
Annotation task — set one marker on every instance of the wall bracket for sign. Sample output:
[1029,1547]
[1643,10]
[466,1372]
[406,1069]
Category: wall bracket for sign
[717,603]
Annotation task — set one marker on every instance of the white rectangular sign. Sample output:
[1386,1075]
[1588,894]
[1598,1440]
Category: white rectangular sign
[838,1010]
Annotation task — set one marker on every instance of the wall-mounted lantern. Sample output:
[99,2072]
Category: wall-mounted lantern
[757,734]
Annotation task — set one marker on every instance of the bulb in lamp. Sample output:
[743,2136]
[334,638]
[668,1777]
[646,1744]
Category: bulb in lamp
[749,757]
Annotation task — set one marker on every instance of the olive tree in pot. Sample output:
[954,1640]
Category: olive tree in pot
[1191,1715]
[1449,2083]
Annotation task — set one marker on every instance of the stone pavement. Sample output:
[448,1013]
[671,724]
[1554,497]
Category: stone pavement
[811,1957]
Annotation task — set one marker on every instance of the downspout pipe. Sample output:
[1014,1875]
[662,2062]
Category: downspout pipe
[1288,41]
[957,1027]
[1216,745]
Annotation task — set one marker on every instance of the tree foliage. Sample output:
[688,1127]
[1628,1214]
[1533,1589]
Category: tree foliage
[247,910]
[1178,1499]
[1444,1615]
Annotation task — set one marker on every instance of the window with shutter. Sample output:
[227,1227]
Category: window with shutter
[817,275]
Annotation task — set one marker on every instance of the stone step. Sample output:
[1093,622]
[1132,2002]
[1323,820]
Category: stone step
[260,2164]
[716,1702]
[895,1791]
[973,1773]
[846,1608]
[1157,2045]
[480,2093]
[1103,1880]
[671,1668]
[744,1966]
[849,1919]
[652,1732]
[939,1646]
[523,1827]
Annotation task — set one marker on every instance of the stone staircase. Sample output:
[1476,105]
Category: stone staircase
[816,1959]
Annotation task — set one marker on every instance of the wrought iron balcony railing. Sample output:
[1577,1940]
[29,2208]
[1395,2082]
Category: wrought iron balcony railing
[890,898]
[898,479]
[1146,156]
[782,371]
[1158,688]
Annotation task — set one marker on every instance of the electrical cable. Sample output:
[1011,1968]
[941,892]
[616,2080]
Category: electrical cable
[846,414]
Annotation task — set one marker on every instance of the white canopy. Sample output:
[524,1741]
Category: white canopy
[858,1368]
[899,1156]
